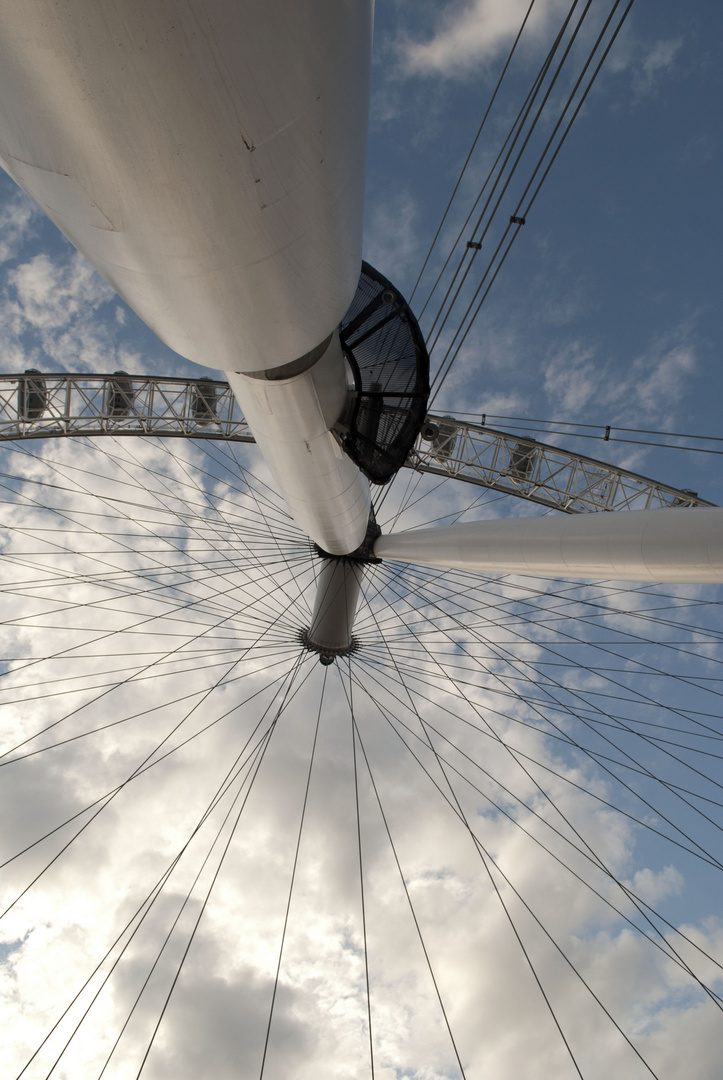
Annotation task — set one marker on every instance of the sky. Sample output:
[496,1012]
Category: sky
[525,770]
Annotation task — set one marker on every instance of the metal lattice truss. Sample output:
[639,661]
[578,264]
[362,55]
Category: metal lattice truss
[536,471]
[36,405]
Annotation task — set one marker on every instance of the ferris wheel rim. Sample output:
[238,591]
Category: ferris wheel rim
[75,405]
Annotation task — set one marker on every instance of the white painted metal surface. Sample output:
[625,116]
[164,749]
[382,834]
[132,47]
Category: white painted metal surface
[207,156]
[680,545]
[337,595]
[291,420]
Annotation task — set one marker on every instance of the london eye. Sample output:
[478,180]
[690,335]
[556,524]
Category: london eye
[361,678]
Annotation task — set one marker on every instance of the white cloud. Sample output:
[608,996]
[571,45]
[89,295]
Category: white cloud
[55,317]
[653,887]
[472,33]
[648,392]
[572,380]
[660,378]
[51,294]
[18,217]
[479,379]
[657,61]
[218,1013]
[391,239]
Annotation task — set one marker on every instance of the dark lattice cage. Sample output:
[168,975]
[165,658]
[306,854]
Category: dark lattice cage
[387,354]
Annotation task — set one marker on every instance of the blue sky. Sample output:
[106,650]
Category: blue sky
[607,311]
[617,270]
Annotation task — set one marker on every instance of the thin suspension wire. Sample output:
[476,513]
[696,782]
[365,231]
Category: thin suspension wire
[663,944]
[147,903]
[676,792]
[350,698]
[192,935]
[457,585]
[502,251]
[418,928]
[255,765]
[480,129]
[293,875]
[515,133]
[484,855]
[592,854]
[133,775]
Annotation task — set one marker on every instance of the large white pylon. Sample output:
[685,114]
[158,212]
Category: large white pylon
[677,545]
[291,420]
[209,159]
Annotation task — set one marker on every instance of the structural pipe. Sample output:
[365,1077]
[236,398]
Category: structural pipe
[208,158]
[675,545]
[337,594]
[291,419]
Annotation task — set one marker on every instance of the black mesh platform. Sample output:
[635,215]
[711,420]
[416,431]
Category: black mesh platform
[385,348]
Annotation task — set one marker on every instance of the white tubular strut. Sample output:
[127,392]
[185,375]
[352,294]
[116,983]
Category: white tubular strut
[678,545]
[337,594]
[208,157]
[291,420]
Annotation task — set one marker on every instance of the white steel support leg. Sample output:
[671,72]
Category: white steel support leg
[676,545]
[337,594]
[208,157]
[291,420]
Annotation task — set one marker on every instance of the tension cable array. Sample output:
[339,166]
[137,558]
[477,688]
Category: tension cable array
[604,432]
[537,105]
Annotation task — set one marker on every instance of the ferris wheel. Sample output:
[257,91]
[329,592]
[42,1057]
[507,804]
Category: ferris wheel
[414,857]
